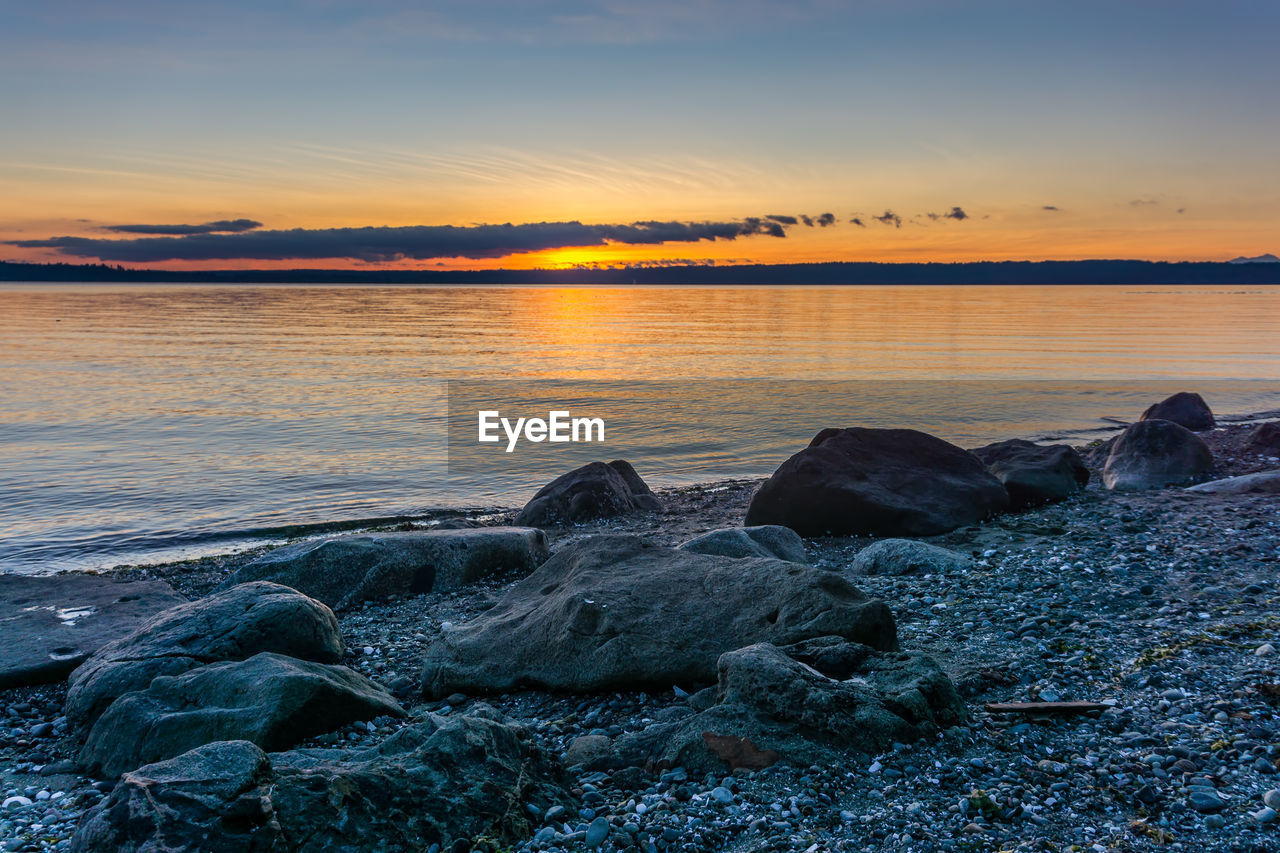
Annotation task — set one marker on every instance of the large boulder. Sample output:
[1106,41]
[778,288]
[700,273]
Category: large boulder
[231,625]
[806,704]
[1184,409]
[269,700]
[345,570]
[1258,483]
[1264,439]
[51,623]
[907,557]
[619,612]
[877,482]
[596,490]
[767,540]
[1153,454]
[433,783]
[1034,474]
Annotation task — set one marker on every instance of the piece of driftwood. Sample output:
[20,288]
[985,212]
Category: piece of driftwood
[1044,707]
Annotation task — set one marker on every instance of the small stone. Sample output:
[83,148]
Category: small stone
[555,814]
[1272,798]
[15,801]
[1215,821]
[1146,795]
[722,795]
[1265,650]
[1203,800]
[1266,814]
[597,832]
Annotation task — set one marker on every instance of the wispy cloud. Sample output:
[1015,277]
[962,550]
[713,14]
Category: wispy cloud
[956,213]
[227,226]
[889,218]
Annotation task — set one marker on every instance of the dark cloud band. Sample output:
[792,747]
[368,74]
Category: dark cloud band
[229,226]
[381,244]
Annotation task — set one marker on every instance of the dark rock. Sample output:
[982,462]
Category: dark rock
[907,557]
[347,570]
[595,490]
[877,482]
[1151,454]
[1034,474]
[619,612]
[436,782]
[767,540]
[231,625]
[1259,483]
[1185,409]
[270,700]
[806,716]
[51,623]
[1265,439]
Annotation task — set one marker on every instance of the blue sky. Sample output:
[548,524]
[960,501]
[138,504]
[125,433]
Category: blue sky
[333,114]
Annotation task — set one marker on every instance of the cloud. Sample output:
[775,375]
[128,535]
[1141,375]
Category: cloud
[231,226]
[807,220]
[857,220]
[1144,202]
[956,213]
[826,219]
[781,219]
[385,243]
[889,218]
[1051,207]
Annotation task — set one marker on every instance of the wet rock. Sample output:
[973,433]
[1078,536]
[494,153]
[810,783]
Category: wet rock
[592,752]
[596,490]
[1259,483]
[1034,474]
[806,716]
[231,625]
[270,700]
[907,557]
[433,783]
[767,540]
[52,623]
[345,570]
[618,611]
[877,482]
[1154,453]
[1185,409]
[1265,439]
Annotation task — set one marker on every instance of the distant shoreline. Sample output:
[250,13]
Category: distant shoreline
[1092,272]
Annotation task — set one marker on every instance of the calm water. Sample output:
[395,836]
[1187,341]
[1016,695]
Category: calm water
[143,423]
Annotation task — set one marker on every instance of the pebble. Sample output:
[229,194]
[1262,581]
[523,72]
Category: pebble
[597,832]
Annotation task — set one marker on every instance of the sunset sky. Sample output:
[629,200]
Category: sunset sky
[518,133]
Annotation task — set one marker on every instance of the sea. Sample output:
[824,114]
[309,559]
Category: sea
[151,422]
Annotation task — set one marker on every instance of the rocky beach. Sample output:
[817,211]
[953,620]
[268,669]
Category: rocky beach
[1014,648]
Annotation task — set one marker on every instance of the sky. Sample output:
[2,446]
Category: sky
[550,133]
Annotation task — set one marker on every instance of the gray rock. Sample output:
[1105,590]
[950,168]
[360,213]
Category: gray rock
[231,625]
[52,623]
[431,783]
[617,611]
[766,540]
[907,557]
[597,832]
[592,752]
[1034,474]
[1272,798]
[877,482]
[345,570]
[807,704]
[1259,483]
[1185,409]
[596,490]
[270,700]
[1152,454]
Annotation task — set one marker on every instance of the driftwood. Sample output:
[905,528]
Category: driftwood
[1044,707]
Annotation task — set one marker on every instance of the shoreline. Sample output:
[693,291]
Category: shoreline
[1153,601]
